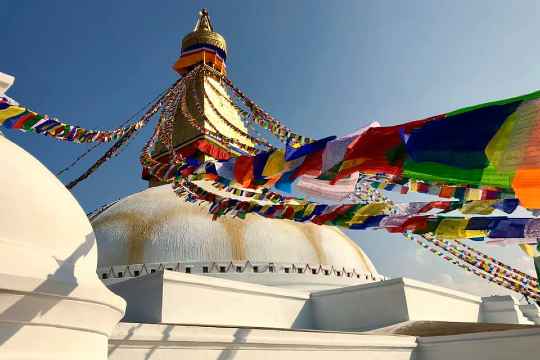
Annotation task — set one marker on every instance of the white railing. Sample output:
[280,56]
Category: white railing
[135,270]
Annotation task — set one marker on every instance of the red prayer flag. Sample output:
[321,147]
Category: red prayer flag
[312,165]
[378,150]
[243,170]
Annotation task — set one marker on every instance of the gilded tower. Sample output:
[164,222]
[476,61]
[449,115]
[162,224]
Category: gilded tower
[207,113]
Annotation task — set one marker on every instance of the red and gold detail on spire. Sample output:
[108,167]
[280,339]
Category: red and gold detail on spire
[202,45]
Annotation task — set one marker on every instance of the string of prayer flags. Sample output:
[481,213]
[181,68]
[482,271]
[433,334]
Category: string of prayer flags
[17,117]
[372,215]
[495,272]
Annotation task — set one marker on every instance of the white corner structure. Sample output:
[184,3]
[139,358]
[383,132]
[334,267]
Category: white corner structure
[504,310]
[52,304]
[5,82]
[531,312]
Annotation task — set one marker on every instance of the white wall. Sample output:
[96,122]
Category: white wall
[361,307]
[376,305]
[144,297]
[172,297]
[435,303]
[166,342]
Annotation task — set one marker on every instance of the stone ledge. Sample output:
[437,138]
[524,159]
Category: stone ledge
[173,335]
[531,330]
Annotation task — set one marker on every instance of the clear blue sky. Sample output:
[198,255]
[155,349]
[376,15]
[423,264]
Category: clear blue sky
[322,67]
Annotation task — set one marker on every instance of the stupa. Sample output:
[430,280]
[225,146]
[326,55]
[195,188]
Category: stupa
[153,229]
[199,288]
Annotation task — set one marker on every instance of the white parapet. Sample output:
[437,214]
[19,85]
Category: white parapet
[173,297]
[389,302]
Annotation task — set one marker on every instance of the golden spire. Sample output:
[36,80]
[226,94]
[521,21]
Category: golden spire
[203,34]
[203,23]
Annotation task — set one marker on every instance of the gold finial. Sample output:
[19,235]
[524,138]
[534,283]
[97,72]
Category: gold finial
[203,23]
[203,34]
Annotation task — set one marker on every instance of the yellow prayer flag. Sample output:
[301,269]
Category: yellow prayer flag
[453,229]
[351,163]
[482,207]
[496,150]
[275,164]
[413,186]
[366,211]
[309,209]
[529,250]
[10,112]
[473,194]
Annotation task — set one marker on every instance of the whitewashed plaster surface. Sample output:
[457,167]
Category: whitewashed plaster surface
[52,304]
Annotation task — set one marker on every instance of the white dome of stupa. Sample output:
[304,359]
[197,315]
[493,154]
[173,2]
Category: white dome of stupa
[154,229]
